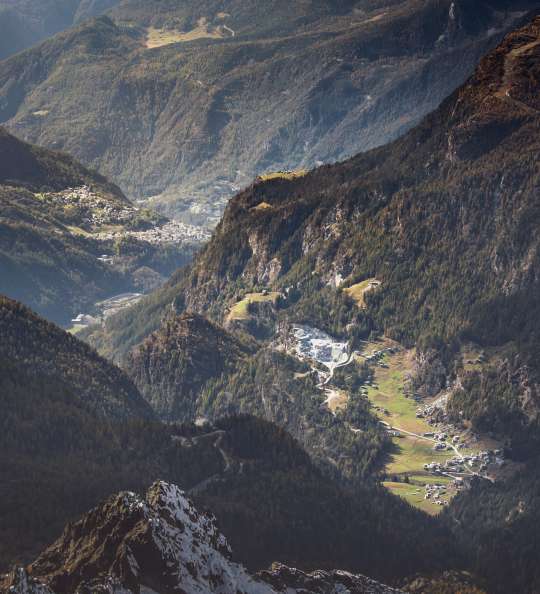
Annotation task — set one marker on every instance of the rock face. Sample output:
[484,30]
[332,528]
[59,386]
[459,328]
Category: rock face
[160,543]
[292,87]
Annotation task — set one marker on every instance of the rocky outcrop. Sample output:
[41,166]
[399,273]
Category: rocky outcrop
[429,374]
[161,543]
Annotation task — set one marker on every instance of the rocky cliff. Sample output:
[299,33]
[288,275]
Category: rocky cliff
[161,543]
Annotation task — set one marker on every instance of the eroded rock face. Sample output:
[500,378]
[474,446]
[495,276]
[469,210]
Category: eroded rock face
[160,544]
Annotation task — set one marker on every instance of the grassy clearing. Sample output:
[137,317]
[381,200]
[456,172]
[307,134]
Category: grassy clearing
[240,311]
[262,206]
[290,175]
[76,329]
[161,37]
[414,495]
[336,400]
[412,454]
[357,292]
[393,407]
[78,231]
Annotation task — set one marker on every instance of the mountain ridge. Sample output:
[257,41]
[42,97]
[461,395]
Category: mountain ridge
[356,87]
[162,542]
[70,238]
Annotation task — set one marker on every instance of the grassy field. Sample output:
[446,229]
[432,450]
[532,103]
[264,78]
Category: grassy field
[290,175]
[262,206]
[393,407]
[357,292]
[240,311]
[413,494]
[161,37]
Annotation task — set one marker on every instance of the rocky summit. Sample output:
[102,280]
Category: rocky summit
[160,543]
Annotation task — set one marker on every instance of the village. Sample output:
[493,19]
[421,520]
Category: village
[90,208]
[108,220]
[172,232]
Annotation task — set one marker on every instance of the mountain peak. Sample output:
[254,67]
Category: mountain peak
[161,543]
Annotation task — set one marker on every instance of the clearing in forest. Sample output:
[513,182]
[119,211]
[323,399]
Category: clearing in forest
[289,175]
[357,292]
[161,37]
[240,311]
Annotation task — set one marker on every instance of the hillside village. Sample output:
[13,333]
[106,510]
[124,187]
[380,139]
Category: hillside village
[86,211]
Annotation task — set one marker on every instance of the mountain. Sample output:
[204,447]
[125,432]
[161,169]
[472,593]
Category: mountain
[445,218]
[431,240]
[26,22]
[161,543]
[172,366]
[74,429]
[159,96]
[35,349]
[69,238]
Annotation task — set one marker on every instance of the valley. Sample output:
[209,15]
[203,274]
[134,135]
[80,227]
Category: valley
[70,239]
[341,362]
[190,103]
[431,460]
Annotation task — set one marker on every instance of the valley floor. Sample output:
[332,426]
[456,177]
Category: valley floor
[432,460]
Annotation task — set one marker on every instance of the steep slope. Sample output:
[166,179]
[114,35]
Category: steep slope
[58,220]
[26,22]
[192,368]
[225,91]
[38,349]
[74,429]
[497,525]
[445,218]
[173,366]
[161,542]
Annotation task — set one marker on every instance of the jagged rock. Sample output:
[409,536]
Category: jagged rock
[429,373]
[161,543]
[283,578]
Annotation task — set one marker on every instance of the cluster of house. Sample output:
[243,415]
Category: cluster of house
[94,209]
[463,464]
[172,232]
[435,494]
[377,356]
